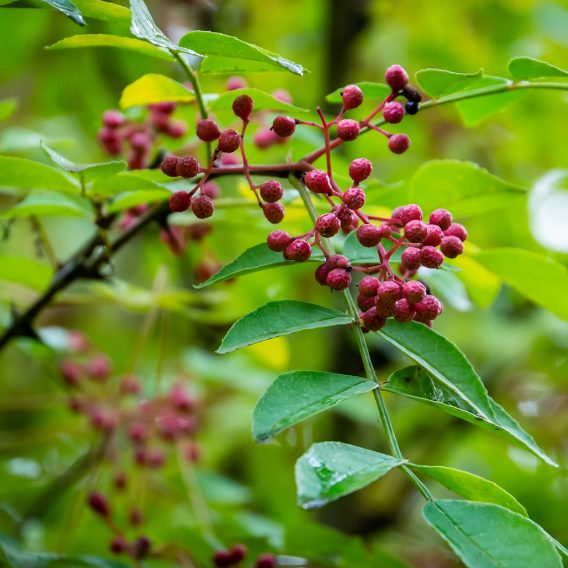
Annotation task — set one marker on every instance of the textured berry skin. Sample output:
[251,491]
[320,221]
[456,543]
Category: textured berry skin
[396,78]
[456,230]
[431,257]
[273,212]
[411,108]
[413,291]
[338,279]
[409,213]
[349,222]
[242,107]
[187,167]
[298,250]
[328,225]
[169,165]
[411,258]
[278,240]
[99,504]
[354,198]
[399,143]
[369,235]
[202,207]
[113,119]
[339,261]
[347,129]
[352,97]
[284,126]
[434,236]
[180,201]
[451,246]
[365,302]
[428,308]
[368,286]
[207,130]
[415,231]
[389,291]
[442,218]
[271,191]
[403,311]
[317,181]
[360,169]
[372,320]
[411,94]
[393,112]
[98,367]
[321,273]
[229,141]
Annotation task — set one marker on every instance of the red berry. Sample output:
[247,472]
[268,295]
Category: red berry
[278,240]
[352,97]
[163,108]
[368,286]
[264,138]
[169,165]
[354,198]
[266,561]
[317,181]
[389,291]
[339,261]
[207,130]
[434,236]
[413,291]
[176,129]
[360,169]
[98,367]
[428,308]
[415,231]
[229,141]
[138,432]
[142,546]
[155,458]
[284,126]
[349,222]
[271,191]
[372,320]
[187,167]
[403,311]
[411,258]
[118,545]
[338,279]
[211,189]
[328,225]
[181,399]
[451,246]
[71,371]
[130,384]
[366,302]
[242,107]
[298,250]
[180,201]
[396,78]
[273,212]
[113,119]
[202,207]
[235,82]
[136,517]
[431,257]
[456,230]
[442,218]
[393,112]
[238,552]
[222,558]
[385,307]
[409,213]
[369,235]
[347,129]
[321,273]
[99,503]
[140,142]
[399,143]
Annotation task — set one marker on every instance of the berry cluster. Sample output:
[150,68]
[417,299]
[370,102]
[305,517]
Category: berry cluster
[237,553]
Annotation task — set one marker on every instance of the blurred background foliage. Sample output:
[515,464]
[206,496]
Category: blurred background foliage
[518,349]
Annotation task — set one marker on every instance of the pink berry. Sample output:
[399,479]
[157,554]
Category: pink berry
[317,181]
[238,552]
[211,189]
[278,240]
[181,399]
[368,286]
[282,95]
[113,119]
[176,129]
[360,169]
[354,198]
[451,246]
[138,432]
[163,108]
[140,142]
[409,213]
[273,212]
[118,545]
[298,250]
[431,257]
[130,384]
[328,225]
[235,82]
[347,129]
[271,191]
[99,504]
[403,311]
[180,201]
[202,207]
[187,167]
[284,126]
[266,561]
[369,235]
[264,138]
[411,258]
[456,230]
[169,165]
[339,261]
[242,107]
[349,222]
[352,97]
[98,367]
[442,218]
[372,320]
[396,78]
[207,130]
[414,291]
[393,112]
[399,143]
[321,273]
[229,141]
[71,372]
[415,231]
[338,279]
[222,558]
[434,236]
[429,307]
[385,307]
[389,291]
[365,302]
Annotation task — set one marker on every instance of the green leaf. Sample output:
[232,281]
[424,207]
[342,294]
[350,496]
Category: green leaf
[27,272]
[440,357]
[279,318]
[68,8]
[107,40]
[44,203]
[262,101]
[331,470]
[539,278]
[123,182]
[370,90]
[524,68]
[413,382]
[154,88]
[490,536]
[132,198]
[462,187]
[229,47]
[472,487]
[100,10]
[295,396]
[254,259]
[143,27]
[8,107]
[439,82]
[476,109]
[27,174]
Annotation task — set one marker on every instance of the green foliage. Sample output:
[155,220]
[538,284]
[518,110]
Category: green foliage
[68,8]
[526,68]
[153,88]
[438,82]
